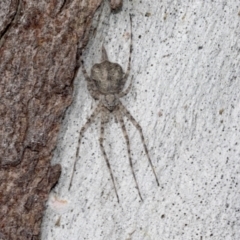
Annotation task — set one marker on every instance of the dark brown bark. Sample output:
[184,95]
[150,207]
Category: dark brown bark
[38,62]
[116,5]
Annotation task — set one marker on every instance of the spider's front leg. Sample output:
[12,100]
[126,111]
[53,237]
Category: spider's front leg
[120,120]
[104,116]
[139,128]
[82,131]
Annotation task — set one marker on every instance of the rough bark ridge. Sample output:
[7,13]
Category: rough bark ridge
[38,46]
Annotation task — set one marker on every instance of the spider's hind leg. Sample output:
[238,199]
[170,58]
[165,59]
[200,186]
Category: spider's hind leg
[130,52]
[126,75]
[90,84]
[126,91]
[120,120]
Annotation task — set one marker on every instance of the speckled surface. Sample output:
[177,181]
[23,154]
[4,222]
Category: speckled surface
[186,97]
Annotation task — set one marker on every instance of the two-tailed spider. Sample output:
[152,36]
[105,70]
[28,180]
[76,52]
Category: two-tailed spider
[105,85]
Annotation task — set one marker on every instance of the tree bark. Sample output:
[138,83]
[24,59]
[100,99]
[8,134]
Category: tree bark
[40,43]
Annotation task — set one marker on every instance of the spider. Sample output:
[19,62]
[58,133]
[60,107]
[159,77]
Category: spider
[105,85]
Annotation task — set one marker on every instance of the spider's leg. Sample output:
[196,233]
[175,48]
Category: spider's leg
[83,129]
[138,127]
[122,94]
[120,120]
[90,84]
[130,52]
[105,155]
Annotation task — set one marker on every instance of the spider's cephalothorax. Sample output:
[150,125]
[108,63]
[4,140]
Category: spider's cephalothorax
[106,84]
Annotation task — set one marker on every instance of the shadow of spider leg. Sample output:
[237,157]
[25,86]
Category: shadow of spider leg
[83,129]
[138,127]
[101,138]
[120,120]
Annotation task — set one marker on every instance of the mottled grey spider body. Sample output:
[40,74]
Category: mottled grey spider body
[108,77]
[106,84]
[106,81]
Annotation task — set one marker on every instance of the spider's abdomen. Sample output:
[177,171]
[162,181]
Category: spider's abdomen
[108,77]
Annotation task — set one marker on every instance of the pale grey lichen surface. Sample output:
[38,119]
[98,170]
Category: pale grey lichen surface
[186,97]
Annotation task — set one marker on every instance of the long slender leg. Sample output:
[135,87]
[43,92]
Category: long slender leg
[83,129]
[105,155]
[122,94]
[90,84]
[120,120]
[138,127]
[130,52]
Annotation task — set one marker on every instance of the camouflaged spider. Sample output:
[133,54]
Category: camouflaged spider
[106,85]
